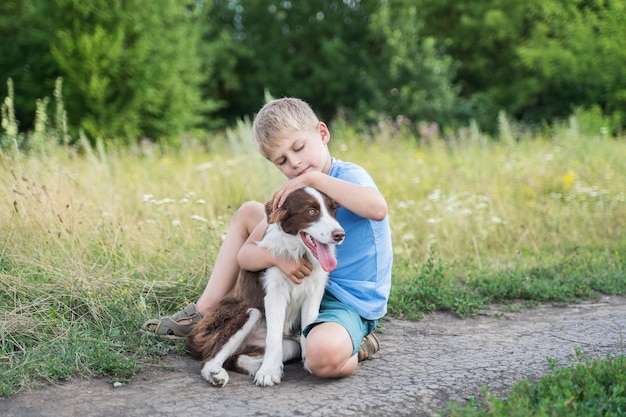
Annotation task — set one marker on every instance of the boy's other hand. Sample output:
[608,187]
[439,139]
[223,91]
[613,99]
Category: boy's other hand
[296,270]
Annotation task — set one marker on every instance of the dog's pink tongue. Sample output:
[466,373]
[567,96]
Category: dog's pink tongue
[326,257]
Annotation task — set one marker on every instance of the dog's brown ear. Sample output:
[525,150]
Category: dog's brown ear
[274,215]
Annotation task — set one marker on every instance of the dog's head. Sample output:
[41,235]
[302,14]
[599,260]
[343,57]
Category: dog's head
[310,214]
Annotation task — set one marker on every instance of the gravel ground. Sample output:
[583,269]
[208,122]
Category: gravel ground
[421,367]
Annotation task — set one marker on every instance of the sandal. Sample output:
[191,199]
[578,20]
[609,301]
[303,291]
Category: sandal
[174,327]
[369,346]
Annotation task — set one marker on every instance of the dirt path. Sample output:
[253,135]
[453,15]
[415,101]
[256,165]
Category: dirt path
[422,365]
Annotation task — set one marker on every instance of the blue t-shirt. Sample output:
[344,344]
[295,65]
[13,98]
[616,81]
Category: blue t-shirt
[362,278]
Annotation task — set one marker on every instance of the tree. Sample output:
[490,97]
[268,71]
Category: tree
[25,58]
[318,50]
[578,51]
[417,78]
[536,60]
[130,68]
[482,37]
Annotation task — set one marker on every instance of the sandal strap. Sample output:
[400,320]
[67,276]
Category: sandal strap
[189,312]
[176,326]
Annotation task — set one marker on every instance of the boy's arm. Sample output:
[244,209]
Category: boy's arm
[361,200]
[252,257]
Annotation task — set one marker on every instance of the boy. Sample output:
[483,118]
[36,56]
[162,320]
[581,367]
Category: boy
[287,133]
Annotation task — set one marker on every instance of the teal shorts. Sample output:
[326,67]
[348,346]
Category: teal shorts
[333,310]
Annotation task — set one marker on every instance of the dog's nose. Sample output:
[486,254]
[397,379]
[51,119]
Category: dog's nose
[338,235]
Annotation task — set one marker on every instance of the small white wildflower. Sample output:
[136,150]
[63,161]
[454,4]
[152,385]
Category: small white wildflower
[548,157]
[343,147]
[176,223]
[406,204]
[199,218]
[416,180]
[496,219]
[433,220]
[482,205]
[200,201]
[205,166]
[184,200]
[146,198]
[166,200]
[435,195]
[466,212]
[452,204]
[189,194]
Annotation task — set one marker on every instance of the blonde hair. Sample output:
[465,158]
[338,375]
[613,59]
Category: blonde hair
[278,116]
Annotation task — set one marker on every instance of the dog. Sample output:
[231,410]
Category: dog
[254,328]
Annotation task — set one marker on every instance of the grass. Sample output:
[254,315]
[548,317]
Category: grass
[589,387]
[94,244]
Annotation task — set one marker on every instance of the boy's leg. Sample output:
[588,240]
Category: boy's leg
[222,279]
[335,340]
[330,351]
[226,268]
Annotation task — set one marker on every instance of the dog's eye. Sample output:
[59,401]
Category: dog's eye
[312,211]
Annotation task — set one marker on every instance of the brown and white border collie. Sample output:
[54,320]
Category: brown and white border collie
[254,328]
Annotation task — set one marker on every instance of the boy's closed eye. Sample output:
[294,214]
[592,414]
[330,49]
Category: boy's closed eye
[283,160]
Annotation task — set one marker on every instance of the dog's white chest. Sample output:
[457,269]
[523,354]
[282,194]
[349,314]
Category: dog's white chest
[278,287]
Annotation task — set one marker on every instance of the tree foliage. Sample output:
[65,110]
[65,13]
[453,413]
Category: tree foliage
[417,79]
[538,59]
[133,68]
[317,50]
[365,59]
[577,49]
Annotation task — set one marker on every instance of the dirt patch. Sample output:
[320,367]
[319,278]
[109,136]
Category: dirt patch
[422,366]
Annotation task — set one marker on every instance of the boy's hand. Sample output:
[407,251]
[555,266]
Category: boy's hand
[304,180]
[297,270]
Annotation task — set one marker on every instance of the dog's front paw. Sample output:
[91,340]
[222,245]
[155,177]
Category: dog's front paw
[268,377]
[217,376]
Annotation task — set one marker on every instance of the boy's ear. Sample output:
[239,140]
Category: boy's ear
[274,215]
[324,132]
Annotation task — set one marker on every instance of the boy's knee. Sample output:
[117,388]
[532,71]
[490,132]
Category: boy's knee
[249,211]
[251,207]
[320,364]
[328,360]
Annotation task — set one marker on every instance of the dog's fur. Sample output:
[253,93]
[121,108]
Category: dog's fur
[253,328]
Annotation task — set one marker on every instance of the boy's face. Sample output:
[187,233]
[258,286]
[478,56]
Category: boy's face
[296,152]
